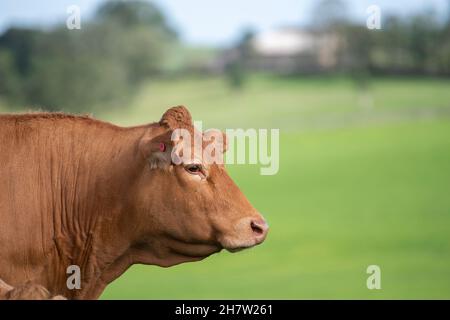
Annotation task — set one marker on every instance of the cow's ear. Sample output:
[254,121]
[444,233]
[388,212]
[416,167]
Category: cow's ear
[156,147]
[177,118]
[157,144]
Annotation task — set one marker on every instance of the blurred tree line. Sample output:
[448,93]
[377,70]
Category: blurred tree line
[127,42]
[416,44]
[104,61]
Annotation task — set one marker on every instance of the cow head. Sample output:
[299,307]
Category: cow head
[188,208]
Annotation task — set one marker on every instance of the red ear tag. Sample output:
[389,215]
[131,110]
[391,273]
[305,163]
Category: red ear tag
[162,147]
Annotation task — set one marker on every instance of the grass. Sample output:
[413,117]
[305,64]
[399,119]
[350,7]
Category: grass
[357,186]
[292,104]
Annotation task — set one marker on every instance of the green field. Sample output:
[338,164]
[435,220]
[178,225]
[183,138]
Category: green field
[364,179]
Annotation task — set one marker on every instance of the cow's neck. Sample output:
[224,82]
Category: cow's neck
[91,229]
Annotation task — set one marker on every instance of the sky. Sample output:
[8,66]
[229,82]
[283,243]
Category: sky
[209,22]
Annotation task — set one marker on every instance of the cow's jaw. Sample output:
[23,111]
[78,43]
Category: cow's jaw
[169,251]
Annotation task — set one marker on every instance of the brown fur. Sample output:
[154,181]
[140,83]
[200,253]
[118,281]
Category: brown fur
[78,191]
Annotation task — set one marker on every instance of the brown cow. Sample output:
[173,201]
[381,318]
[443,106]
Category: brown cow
[78,191]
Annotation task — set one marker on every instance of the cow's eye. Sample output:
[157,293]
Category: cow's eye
[194,168]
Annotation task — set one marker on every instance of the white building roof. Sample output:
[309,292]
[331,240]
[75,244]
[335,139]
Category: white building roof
[283,42]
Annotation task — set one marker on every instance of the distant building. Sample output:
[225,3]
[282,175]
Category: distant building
[287,50]
[283,42]
[294,50]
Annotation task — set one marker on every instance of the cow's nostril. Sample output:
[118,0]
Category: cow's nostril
[258,227]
